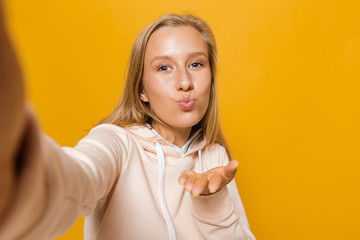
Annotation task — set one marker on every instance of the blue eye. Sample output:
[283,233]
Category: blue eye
[195,65]
[164,68]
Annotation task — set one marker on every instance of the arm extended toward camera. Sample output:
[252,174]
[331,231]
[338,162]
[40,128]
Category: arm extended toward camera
[12,113]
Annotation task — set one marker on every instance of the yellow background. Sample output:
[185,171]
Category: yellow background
[289,95]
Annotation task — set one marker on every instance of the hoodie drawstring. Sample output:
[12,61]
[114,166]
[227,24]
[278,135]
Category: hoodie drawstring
[200,162]
[161,195]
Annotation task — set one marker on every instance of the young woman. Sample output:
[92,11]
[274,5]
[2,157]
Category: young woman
[157,168]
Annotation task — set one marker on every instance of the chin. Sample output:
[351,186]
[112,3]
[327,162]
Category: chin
[186,122]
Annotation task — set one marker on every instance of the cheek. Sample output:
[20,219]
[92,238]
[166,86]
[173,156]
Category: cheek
[157,93]
[205,85]
[150,87]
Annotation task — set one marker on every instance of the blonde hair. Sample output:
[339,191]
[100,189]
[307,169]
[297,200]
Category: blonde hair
[131,111]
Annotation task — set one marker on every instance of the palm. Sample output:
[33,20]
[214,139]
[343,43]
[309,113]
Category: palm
[210,181]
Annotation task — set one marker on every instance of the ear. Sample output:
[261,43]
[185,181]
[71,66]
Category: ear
[143,96]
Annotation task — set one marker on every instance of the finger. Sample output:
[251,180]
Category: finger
[200,185]
[230,169]
[215,182]
[190,182]
[184,176]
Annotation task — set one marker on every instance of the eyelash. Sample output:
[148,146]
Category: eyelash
[161,68]
[198,63]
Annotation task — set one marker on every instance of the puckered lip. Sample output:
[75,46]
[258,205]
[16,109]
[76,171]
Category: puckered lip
[186,99]
[186,103]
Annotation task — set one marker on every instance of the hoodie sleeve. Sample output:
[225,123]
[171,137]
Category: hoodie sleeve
[222,215]
[57,185]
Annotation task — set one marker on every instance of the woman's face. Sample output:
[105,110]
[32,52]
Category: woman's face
[177,77]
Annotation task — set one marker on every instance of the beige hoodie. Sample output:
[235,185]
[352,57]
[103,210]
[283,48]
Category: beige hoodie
[125,182]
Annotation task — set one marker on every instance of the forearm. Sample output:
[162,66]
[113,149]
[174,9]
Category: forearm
[12,115]
[221,215]
[59,184]
[217,217]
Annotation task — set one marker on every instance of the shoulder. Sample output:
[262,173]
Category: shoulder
[107,128]
[108,134]
[216,148]
[217,154]
[110,130]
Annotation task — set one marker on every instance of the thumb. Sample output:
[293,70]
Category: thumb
[231,168]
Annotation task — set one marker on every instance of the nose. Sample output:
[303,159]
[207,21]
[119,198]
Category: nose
[184,81]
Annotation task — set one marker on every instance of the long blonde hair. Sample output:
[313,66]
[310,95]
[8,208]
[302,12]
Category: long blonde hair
[131,111]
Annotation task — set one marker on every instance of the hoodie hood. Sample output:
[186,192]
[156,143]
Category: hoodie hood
[148,136]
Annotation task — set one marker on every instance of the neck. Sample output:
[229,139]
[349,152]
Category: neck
[177,136]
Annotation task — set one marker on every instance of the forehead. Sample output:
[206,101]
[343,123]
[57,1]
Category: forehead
[175,41]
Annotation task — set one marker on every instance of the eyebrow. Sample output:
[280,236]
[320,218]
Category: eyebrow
[194,54]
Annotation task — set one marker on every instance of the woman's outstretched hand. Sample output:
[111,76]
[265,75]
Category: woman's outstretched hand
[210,181]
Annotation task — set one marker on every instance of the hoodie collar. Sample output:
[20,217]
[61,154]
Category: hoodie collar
[147,136]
